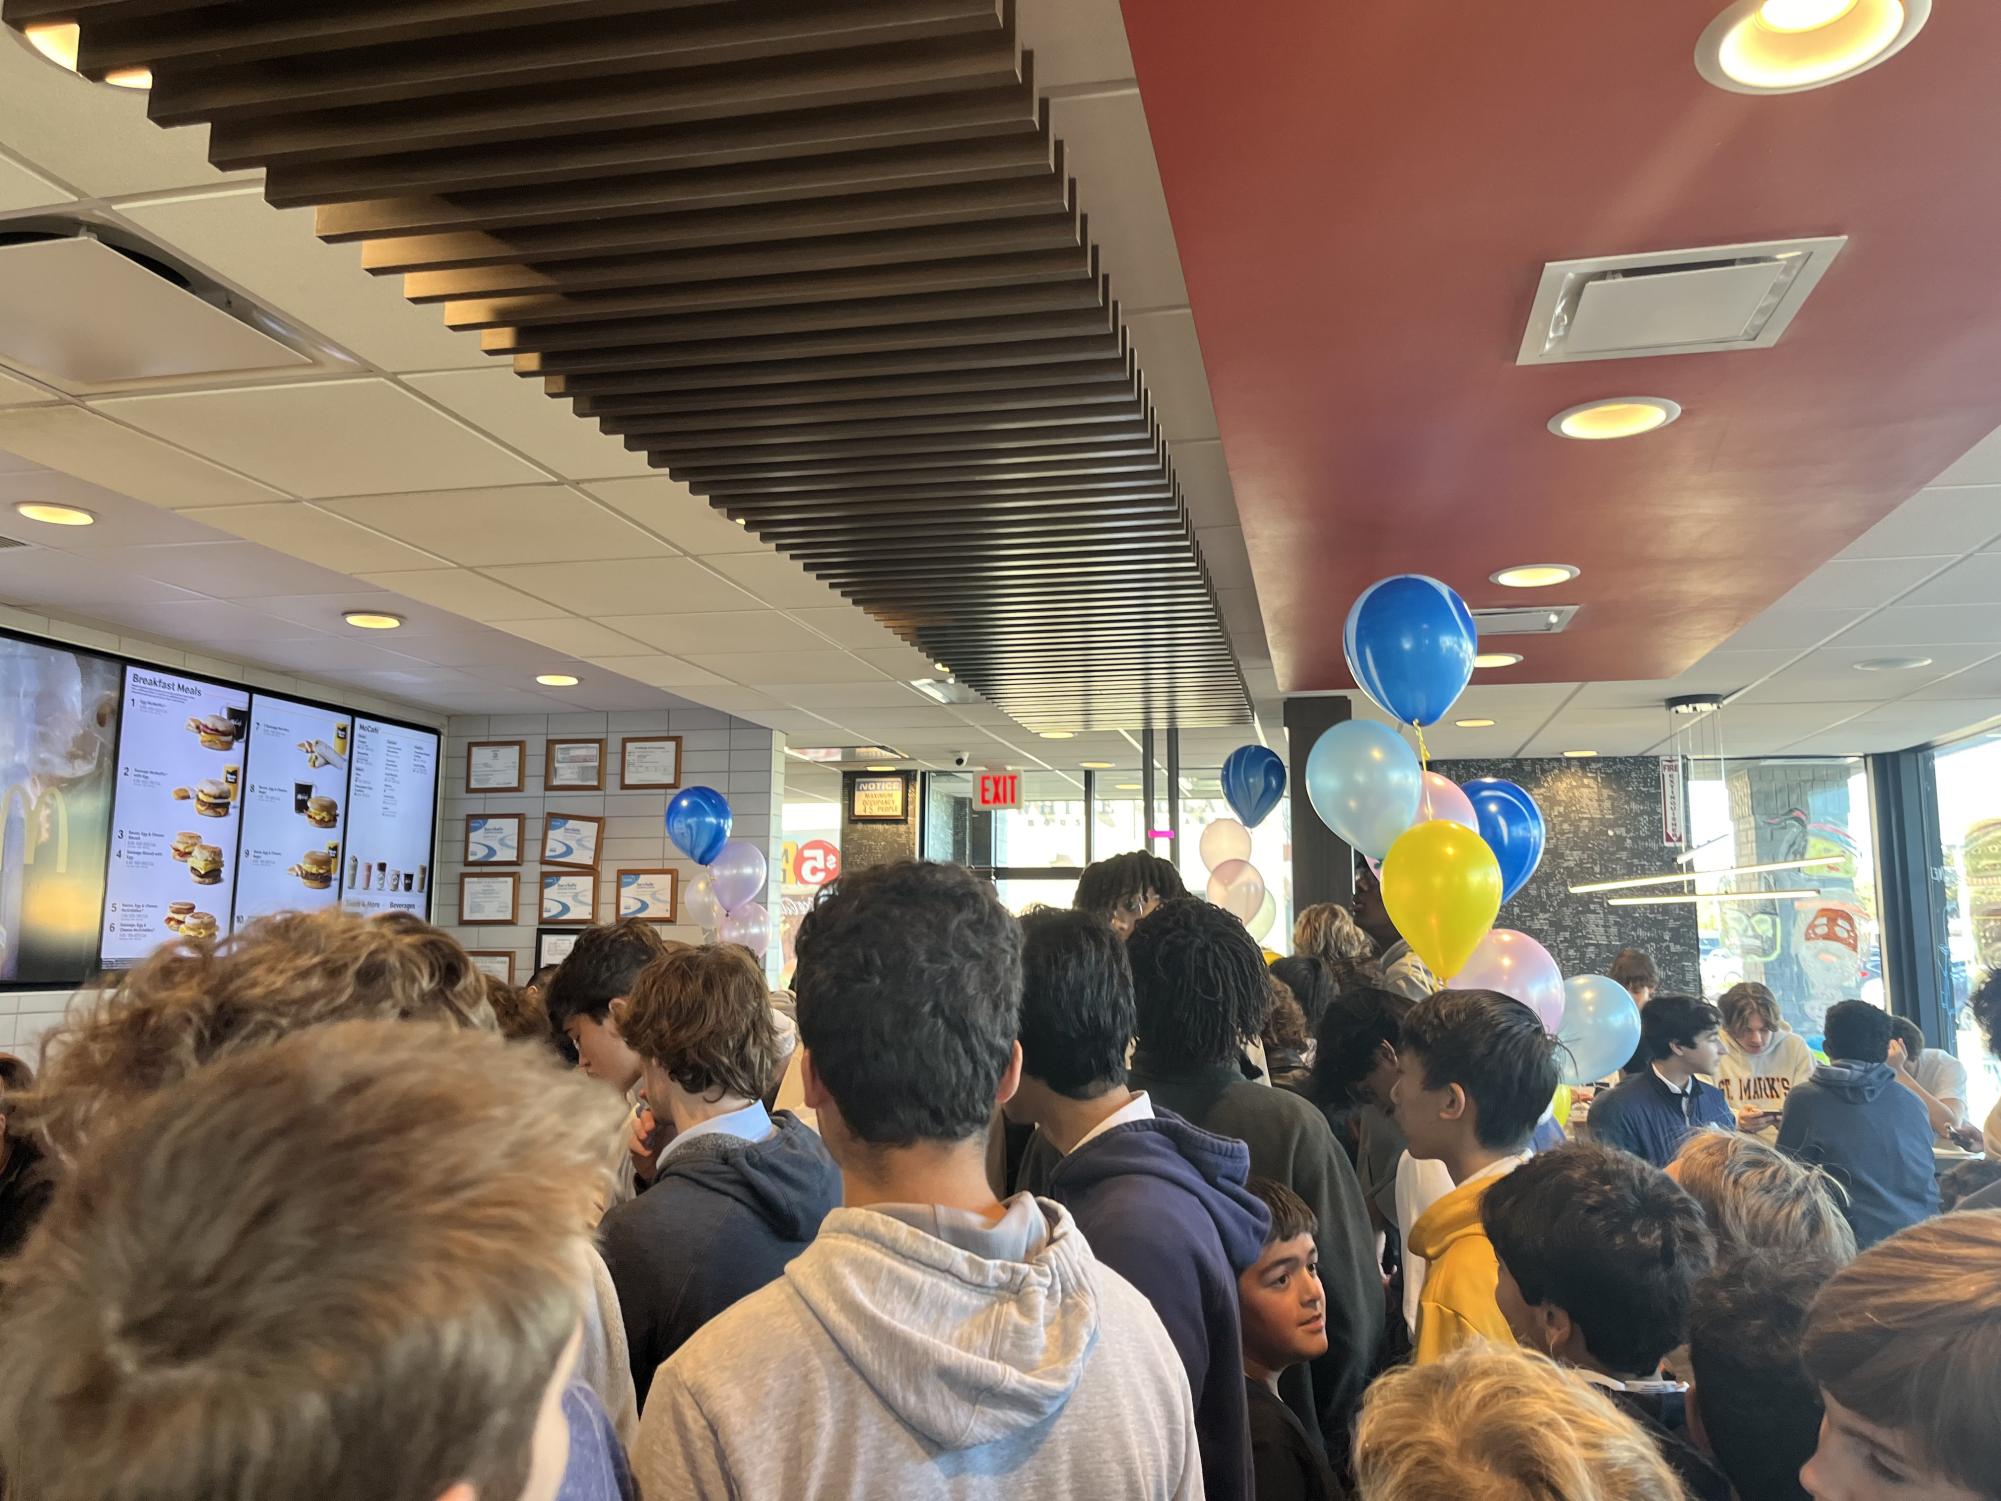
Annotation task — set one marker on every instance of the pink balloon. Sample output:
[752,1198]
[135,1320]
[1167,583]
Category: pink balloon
[1236,887]
[1224,840]
[1516,965]
[749,925]
[1444,798]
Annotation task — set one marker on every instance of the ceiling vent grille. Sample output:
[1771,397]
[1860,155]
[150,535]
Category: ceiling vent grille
[1524,620]
[7,542]
[1626,307]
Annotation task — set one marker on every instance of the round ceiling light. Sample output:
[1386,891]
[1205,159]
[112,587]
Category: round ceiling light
[1892,664]
[1474,724]
[1095,765]
[1497,659]
[880,767]
[1784,46]
[1614,417]
[59,41]
[1534,575]
[373,620]
[130,78]
[557,680]
[1059,734]
[54,515]
[1580,755]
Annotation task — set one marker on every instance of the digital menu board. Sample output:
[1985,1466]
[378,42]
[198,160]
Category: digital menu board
[294,807]
[391,798]
[174,813]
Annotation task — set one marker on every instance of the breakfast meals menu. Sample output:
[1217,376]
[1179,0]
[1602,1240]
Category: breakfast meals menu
[294,807]
[392,798]
[173,814]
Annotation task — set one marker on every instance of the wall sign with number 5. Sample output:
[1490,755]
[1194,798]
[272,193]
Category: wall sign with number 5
[814,863]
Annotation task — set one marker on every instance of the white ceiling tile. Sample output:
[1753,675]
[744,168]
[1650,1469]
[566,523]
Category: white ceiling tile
[516,411]
[1830,676]
[96,449]
[902,721]
[1935,522]
[298,529]
[1980,680]
[493,699]
[462,592]
[848,625]
[211,623]
[517,524]
[121,521]
[776,580]
[1920,719]
[20,393]
[224,570]
[415,679]
[1790,630]
[757,669]
[326,653]
[1979,465]
[832,698]
[670,509]
[1719,672]
[630,586]
[803,728]
[476,647]
[718,631]
[1171,359]
[1917,626]
[273,255]
[662,671]
[1862,581]
[902,662]
[36,575]
[327,438]
[22,189]
[1971,581]
[579,638]
[1118,182]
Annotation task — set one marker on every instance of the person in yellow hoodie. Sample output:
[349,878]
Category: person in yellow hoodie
[1474,1074]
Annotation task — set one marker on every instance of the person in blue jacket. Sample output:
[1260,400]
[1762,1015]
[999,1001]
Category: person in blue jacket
[1852,1117]
[1652,1112]
[1161,1202]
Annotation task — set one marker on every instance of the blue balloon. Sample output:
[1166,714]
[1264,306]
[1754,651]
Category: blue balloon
[1253,782]
[1410,643]
[1599,1031]
[1512,825]
[698,821]
[1365,784]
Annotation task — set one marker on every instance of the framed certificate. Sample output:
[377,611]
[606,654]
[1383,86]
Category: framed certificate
[651,894]
[879,799]
[496,962]
[495,765]
[571,839]
[553,945]
[574,766]
[649,761]
[570,897]
[488,898]
[493,839]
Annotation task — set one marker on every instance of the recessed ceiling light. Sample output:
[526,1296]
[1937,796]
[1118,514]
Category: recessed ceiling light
[130,78]
[57,41]
[1614,417]
[1784,46]
[1474,724]
[1095,765]
[1534,575]
[1497,659]
[53,515]
[941,667]
[882,768]
[1892,664]
[557,680]
[1580,755]
[1059,734]
[372,620]
[1127,787]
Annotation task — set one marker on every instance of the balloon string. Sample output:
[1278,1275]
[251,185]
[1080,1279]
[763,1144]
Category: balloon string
[1423,755]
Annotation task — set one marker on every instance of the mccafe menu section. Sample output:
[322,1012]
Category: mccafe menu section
[391,794]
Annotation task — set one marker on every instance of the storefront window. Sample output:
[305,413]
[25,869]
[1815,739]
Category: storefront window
[1969,821]
[1033,852]
[1811,950]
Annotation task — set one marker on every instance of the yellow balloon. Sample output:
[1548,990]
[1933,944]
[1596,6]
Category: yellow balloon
[1559,1106]
[1441,886]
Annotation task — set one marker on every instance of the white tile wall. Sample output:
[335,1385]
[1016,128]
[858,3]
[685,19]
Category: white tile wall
[26,1014]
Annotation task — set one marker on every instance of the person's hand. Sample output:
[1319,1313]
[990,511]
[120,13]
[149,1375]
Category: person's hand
[1964,1136]
[643,1143]
[1757,1120]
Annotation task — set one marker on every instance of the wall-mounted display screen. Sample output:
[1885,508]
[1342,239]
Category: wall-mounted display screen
[175,812]
[294,807]
[58,731]
[392,796]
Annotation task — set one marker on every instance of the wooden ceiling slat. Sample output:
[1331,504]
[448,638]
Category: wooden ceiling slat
[1050,406]
[1134,458]
[1112,376]
[956,464]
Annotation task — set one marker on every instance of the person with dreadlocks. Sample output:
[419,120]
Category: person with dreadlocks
[1200,993]
[1125,888]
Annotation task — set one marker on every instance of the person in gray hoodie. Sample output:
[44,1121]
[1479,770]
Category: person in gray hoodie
[1872,1135]
[932,1341]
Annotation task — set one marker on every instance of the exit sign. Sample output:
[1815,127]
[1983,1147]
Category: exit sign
[999,789]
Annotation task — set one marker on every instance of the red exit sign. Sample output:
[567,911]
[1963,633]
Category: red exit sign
[999,789]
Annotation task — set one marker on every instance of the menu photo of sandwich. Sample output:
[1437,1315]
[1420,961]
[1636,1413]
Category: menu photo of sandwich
[217,731]
[322,812]
[198,925]
[205,864]
[184,845]
[316,868]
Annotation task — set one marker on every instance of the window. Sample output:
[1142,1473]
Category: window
[1033,853]
[1969,821]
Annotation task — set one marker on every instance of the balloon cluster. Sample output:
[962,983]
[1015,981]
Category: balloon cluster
[723,898]
[1253,783]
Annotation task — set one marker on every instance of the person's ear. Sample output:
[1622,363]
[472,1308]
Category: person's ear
[1457,1104]
[1566,1342]
[619,1009]
[817,1097]
[1010,1079]
[1386,1053]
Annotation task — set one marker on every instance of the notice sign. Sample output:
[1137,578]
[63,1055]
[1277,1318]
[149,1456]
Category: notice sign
[879,799]
[997,789]
[1674,806]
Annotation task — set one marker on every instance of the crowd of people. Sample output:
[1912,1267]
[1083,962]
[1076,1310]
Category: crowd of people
[1098,1202]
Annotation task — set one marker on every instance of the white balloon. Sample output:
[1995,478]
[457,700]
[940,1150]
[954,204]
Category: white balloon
[1267,915]
[1223,840]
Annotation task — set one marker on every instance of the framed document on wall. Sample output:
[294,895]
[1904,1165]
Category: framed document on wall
[649,894]
[488,898]
[496,962]
[553,945]
[571,839]
[570,897]
[495,765]
[649,761]
[574,766]
[493,839]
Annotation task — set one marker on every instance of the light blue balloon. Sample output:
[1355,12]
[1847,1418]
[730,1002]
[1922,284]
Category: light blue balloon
[1365,784]
[1410,642]
[1600,1028]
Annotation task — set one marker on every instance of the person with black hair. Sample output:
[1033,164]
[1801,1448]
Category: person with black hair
[1161,1202]
[1598,1256]
[1199,989]
[933,1340]
[24,1186]
[1870,1133]
[1402,970]
[1635,969]
[1985,1004]
[1285,1323]
[1312,983]
[1752,1407]
[1652,1112]
[1475,1072]
[1122,889]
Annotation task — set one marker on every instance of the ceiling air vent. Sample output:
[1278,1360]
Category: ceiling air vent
[1523,620]
[7,542]
[1626,307]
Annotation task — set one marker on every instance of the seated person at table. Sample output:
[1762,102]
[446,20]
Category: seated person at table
[1651,1113]
[1599,1256]
[1762,1061]
[1932,1074]
[1284,1323]
[1867,1130]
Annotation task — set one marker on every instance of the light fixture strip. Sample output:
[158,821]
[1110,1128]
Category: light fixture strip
[1690,875]
[1711,896]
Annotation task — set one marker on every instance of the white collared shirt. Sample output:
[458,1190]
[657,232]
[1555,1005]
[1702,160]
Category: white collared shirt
[1138,1108]
[748,1124]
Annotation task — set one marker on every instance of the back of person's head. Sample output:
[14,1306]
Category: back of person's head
[1672,1018]
[703,1015]
[601,967]
[1908,1338]
[1076,1002]
[1906,1031]
[1198,983]
[1494,1049]
[1493,1422]
[277,1277]
[1756,1198]
[1327,930]
[1355,1029]
[1312,984]
[1123,885]
[539,981]
[909,994]
[184,1006]
[1759,1410]
[1985,1004]
[1284,1030]
[1635,969]
[518,1014]
[1748,1001]
[1608,1239]
[1858,1032]
[1964,1180]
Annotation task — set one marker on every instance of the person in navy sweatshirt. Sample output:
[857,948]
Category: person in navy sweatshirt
[1652,1112]
[1161,1202]
[1853,1118]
